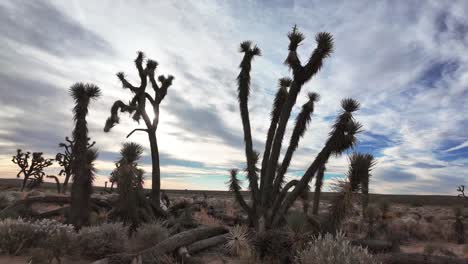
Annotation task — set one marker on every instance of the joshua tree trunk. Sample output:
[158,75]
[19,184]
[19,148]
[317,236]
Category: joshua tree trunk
[57,182]
[156,174]
[318,190]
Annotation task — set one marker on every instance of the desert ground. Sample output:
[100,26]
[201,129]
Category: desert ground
[409,223]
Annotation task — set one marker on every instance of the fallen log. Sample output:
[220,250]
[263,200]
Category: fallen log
[185,238]
[417,258]
[207,243]
[58,211]
[376,246]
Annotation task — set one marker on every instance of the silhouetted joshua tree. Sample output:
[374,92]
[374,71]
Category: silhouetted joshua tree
[137,107]
[65,160]
[270,200]
[361,164]
[132,205]
[31,170]
[461,190]
[82,167]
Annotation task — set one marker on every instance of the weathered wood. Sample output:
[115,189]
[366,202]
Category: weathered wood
[58,211]
[415,258]
[207,243]
[182,239]
[375,246]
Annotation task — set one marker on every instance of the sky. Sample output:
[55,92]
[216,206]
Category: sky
[404,61]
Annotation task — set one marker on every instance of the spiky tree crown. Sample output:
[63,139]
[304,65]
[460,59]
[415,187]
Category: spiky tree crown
[360,167]
[131,152]
[83,91]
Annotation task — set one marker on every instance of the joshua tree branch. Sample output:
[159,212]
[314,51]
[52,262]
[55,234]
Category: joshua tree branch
[137,129]
[280,197]
[150,99]
[125,83]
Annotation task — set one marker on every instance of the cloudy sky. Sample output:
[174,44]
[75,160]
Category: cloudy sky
[405,61]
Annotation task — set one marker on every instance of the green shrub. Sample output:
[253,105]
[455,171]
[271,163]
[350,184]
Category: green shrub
[99,241]
[148,235]
[334,250]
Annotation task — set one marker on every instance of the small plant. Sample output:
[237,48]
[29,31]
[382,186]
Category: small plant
[148,235]
[97,242]
[32,170]
[238,241]
[334,250]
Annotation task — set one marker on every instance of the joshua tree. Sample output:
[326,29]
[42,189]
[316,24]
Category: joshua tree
[271,201]
[65,160]
[35,169]
[82,167]
[461,190]
[359,173]
[132,201]
[137,107]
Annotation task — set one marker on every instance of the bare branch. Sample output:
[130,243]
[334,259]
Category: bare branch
[137,129]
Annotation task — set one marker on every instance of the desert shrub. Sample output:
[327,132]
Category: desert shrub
[334,250]
[16,235]
[51,235]
[4,202]
[148,235]
[99,241]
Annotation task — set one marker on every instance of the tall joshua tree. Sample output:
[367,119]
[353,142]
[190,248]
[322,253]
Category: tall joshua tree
[82,167]
[271,199]
[137,107]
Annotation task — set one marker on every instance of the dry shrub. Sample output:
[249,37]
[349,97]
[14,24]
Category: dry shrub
[15,235]
[19,234]
[99,241]
[203,218]
[334,250]
[148,235]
